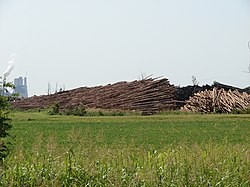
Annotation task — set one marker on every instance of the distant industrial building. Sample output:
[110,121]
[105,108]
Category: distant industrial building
[21,87]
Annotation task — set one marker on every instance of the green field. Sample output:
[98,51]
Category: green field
[162,150]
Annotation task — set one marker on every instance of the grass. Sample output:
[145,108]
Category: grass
[163,150]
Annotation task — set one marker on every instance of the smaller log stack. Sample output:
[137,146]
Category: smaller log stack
[217,100]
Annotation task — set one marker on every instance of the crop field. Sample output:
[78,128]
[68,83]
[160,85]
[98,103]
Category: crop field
[159,150]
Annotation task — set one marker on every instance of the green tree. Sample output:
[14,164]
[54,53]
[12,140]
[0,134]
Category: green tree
[5,125]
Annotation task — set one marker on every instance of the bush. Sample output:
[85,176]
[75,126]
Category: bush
[238,111]
[55,109]
[76,111]
[5,125]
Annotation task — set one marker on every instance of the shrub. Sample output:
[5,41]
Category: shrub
[238,111]
[55,109]
[76,111]
[5,125]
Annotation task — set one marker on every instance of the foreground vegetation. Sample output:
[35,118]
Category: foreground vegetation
[164,150]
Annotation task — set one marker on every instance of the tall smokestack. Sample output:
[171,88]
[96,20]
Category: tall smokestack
[25,81]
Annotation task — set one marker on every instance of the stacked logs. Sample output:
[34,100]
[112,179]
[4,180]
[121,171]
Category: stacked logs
[147,96]
[217,100]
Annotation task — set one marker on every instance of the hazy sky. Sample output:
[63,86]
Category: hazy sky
[95,42]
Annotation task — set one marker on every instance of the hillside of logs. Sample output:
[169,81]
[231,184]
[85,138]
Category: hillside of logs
[146,96]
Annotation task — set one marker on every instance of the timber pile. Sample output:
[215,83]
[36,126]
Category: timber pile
[184,93]
[217,100]
[147,96]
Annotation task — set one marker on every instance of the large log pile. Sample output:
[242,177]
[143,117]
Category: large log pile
[217,100]
[147,96]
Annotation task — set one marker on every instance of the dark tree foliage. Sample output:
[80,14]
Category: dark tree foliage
[4,119]
[5,125]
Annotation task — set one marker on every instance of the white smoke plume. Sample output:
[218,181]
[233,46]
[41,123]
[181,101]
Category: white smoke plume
[10,67]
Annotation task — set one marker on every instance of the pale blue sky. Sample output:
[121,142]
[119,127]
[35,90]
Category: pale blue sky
[96,42]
